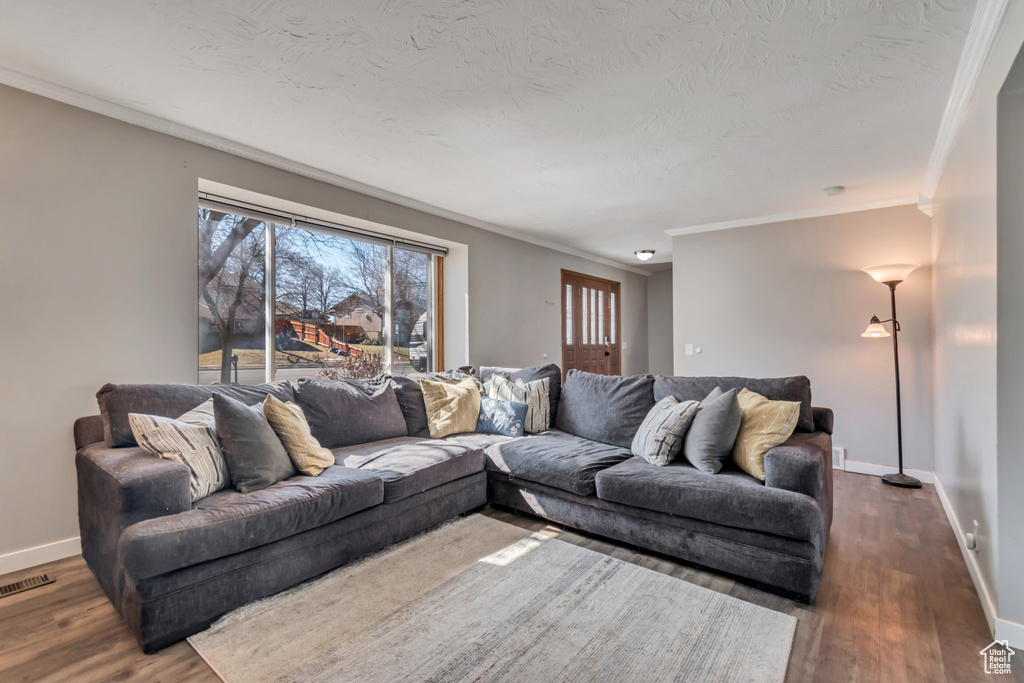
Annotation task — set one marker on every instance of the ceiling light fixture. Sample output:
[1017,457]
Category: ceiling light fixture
[644,254]
[835,190]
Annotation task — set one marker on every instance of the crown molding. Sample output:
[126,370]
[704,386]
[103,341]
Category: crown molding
[37,86]
[924,203]
[795,215]
[988,17]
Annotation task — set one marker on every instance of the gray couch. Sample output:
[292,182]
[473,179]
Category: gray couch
[170,567]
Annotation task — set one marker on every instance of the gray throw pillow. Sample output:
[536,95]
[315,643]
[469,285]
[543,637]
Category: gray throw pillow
[713,433]
[660,437]
[256,458]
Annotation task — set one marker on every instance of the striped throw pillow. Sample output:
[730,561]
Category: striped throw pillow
[533,394]
[765,425]
[202,415]
[660,437]
[193,445]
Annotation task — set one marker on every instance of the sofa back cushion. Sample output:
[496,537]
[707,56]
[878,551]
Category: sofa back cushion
[344,413]
[170,400]
[410,397]
[604,408]
[774,389]
[531,374]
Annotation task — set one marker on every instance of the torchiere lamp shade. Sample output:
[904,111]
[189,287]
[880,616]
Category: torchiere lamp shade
[895,272]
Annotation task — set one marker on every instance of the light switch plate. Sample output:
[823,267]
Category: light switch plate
[689,349]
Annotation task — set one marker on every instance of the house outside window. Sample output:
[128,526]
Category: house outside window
[325,301]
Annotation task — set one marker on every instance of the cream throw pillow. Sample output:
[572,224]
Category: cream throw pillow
[451,408]
[765,425]
[292,428]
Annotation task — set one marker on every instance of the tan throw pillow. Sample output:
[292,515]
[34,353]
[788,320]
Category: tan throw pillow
[292,428]
[765,425]
[451,408]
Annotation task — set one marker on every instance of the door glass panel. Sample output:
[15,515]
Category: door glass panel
[568,314]
[410,293]
[586,324]
[329,305]
[232,297]
[593,317]
[600,316]
[611,303]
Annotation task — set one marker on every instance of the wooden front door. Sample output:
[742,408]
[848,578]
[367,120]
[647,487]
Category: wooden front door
[590,324]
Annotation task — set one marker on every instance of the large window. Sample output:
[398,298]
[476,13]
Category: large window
[326,302]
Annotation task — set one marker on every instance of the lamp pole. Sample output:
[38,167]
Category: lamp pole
[899,479]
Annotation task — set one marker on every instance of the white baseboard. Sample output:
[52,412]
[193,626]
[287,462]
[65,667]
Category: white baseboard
[859,467]
[970,558]
[1010,631]
[41,554]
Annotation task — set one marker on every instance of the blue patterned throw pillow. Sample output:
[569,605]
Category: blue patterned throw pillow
[501,417]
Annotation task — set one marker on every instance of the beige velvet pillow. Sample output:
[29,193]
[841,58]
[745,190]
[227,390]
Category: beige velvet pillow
[765,425]
[292,428]
[451,408]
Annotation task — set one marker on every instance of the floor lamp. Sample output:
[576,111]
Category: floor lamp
[890,276]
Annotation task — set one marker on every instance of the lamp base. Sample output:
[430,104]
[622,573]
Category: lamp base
[901,480]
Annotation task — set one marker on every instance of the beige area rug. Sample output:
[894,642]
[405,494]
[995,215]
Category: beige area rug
[481,600]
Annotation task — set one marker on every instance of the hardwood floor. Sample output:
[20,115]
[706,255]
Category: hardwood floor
[896,604]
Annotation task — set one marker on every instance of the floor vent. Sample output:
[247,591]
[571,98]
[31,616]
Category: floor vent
[839,458]
[25,584]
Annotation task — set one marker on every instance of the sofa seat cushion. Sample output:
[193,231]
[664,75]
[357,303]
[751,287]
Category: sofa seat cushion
[230,522]
[408,465]
[730,498]
[555,459]
[477,439]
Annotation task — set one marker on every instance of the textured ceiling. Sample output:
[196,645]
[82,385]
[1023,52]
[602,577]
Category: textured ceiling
[595,124]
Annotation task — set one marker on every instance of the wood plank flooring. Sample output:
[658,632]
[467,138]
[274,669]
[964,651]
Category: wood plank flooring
[896,604]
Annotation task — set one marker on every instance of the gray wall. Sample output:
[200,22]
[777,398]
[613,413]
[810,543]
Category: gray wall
[977,343]
[1010,360]
[98,270]
[789,299]
[1009,356]
[659,322]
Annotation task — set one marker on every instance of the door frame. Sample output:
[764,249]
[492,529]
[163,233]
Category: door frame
[613,286]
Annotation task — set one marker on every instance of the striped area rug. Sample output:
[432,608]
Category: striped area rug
[515,609]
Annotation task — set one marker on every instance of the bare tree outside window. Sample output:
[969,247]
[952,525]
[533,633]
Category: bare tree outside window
[231,286]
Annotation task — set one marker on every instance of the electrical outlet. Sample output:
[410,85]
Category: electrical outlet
[838,458]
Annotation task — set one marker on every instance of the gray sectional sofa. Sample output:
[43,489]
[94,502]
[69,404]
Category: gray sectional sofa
[170,567]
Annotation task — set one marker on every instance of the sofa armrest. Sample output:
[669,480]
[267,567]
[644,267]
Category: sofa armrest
[803,464]
[118,487]
[823,419]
